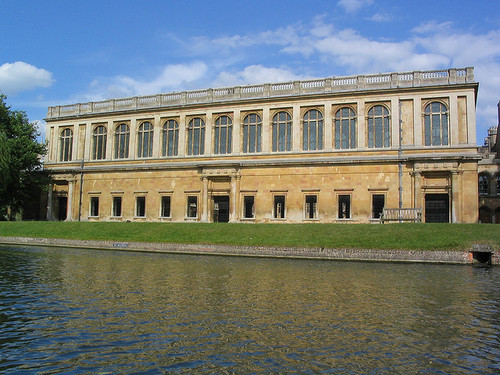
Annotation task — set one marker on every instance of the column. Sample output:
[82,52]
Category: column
[69,216]
[395,122]
[182,136]
[296,128]
[328,128]
[236,132]
[417,121]
[208,134]
[361,124]
[455,197]
[266,131]
[204,193]
[471,119]
[453,132]
[132,152]
[49,202]
[417,193]
[157,126]
[109,140]
[233,203]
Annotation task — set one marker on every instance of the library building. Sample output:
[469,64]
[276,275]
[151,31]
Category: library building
[356,149]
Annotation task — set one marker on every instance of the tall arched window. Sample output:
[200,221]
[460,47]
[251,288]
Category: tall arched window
[312,130]
[122,138]
[484,184]
[223,133]
[66,141]
[196,137]
[436,124]
[379,131]
[252,133]
[497,183]
[345,128]
[170,138]
[145,140]
[282,131]
[99,143]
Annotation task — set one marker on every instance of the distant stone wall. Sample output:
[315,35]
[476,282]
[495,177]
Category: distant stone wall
[453,257]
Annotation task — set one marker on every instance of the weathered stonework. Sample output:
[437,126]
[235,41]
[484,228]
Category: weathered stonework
[323,183]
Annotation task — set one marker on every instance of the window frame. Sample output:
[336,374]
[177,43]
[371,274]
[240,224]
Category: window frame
[244,207]
[99,142]
[317,124]
[122,141]
[372,210]
[194,199]
[223,135]
[279,126]
[483,184]
[341,128]
[384,126]
[140,208]
[170,138]
[66,144]
[340,208]
[282,211]
[162,211]
[252,130]
[145,136]
[443,126]
[115,199]
[193,126]
[307,208]
[94,206]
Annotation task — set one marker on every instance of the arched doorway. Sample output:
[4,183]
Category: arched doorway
[484,215]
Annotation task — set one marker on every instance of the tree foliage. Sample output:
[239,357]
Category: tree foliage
[21,171]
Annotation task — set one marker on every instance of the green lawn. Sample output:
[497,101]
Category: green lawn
[369,236]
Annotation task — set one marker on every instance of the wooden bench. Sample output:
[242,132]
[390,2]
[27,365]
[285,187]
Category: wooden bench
[413,215]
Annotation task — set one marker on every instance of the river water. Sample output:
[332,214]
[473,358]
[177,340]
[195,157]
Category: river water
[77,311]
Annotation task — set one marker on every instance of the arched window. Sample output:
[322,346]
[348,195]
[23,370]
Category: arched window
[497,183]
[99,143]
[484,184]
[145,140]
[379,133]
[196,137]
[223,133]
[436,124]
[170,138]
[252,133]
[122,138]
[345,128]
[282,131]
[66,145]
[312,130]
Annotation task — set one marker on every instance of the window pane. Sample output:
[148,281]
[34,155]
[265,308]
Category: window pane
[378,202]
[344,207]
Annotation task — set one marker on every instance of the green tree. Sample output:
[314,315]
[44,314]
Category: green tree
[21,172]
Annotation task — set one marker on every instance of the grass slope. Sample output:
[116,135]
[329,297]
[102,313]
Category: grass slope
[367,236]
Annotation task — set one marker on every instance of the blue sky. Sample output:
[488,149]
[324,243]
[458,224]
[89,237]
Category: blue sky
[61,52]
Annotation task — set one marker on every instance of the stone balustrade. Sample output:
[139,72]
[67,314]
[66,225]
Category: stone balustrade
[269,90]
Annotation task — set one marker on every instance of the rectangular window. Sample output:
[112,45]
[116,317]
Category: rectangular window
[311,207]
[378,203]
[279,207]
[192,206]
[140,207]
[94,206]
[117,206]
[344,207]
[165,206]
[248,207]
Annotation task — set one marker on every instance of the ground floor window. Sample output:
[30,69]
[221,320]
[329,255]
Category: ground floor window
[117,206]
[279,207]
[378,203]
[344,207]
[165,206]
[192,206]
[140,207]
[94,206]
[311,204]
[248,207]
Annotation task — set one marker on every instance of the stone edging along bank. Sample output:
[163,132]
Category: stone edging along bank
[454,257]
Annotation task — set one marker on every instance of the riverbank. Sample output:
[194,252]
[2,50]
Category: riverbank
[382,255]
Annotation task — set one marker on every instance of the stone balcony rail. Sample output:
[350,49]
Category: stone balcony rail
[270,90]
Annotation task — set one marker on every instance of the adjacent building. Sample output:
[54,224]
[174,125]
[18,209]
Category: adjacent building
[338,149]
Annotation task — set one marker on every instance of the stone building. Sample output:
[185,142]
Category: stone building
[489,177]
[338,149]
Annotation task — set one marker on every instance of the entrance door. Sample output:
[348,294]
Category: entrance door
[437,208]
[62,210]
[221,209]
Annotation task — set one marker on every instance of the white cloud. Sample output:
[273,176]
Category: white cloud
[255,74]
[169,78]
[380,17]
[40,126]
[20,76]
[351,6]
